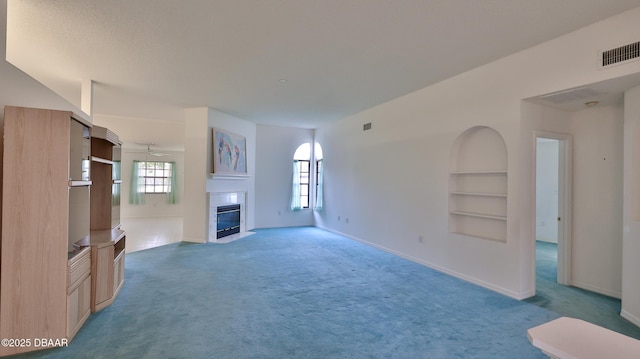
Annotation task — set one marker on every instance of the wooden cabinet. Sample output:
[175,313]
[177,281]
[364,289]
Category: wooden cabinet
[42,166]
[107,251]
[78,291]
[105,169]
[107,239]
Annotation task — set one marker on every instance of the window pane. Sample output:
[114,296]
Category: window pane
[155,177]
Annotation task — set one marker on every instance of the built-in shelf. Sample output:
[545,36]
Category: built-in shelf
[479,173]
[478,185]
[479,215]
[477,236]
[480,194]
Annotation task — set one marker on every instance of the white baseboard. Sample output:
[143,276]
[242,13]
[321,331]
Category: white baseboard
[596,289]
[438,268]
[630,317]
[194,240]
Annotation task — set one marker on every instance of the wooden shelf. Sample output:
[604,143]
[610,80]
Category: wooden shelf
[104,238]
[101,160]
[80,183]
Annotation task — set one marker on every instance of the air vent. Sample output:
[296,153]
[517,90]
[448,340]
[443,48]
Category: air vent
[577,94]
[621,54]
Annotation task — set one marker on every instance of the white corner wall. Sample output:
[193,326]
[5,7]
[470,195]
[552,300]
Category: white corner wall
[155,204]
[135,131]
[18,88]
[631,217]
[217,119]
[597,199]
[196,168]
[199,181]
[391,181]
[275,147]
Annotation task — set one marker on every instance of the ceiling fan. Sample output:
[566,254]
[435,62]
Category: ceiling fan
[150,152]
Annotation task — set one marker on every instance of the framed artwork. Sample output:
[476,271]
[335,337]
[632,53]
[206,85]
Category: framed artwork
[229,153]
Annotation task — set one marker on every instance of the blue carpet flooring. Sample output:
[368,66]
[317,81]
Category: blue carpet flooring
[547,261]
[299,293]
[575,302]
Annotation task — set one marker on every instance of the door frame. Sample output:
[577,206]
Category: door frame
[565,182]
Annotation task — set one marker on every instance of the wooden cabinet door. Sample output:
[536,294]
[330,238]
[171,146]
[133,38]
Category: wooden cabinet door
[78,307]
[102,284]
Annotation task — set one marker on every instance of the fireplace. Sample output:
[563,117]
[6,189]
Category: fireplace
[228,220]
[227,216]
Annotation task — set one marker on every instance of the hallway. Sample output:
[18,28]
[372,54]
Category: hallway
[575,302]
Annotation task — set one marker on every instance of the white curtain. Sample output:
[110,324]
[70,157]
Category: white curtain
[296,204]
[319,186]
[172,195]
[135,195]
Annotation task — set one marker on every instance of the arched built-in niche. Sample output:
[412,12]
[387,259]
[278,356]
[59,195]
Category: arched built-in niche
[478,184]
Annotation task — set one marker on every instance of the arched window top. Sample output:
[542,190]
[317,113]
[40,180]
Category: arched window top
[303,152]
[317,151]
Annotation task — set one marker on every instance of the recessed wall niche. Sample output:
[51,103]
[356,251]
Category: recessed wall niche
[478,184]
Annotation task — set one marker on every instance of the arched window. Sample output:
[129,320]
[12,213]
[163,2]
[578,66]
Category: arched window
[301,177]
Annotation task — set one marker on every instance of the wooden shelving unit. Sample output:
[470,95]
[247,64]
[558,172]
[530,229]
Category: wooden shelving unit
[78,291]
[60,255]
[107,240]
[45,204]
[107,266]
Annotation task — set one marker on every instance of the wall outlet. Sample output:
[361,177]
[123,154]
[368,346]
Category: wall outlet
[338,218]
[420,238]
[346,220]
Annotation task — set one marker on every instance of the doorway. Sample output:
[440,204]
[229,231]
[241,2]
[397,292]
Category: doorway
[553,209]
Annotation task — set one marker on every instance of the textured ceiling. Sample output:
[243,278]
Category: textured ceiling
[296,63]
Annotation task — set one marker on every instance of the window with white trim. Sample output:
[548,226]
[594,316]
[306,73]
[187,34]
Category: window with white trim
[154,177]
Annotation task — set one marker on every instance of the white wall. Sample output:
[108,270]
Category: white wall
[195,222]
[18,89]
[597,199]
[631,217]
[275,147]
[198,182]
[167,137]
[155,204]
[221,120]
[547,190]
[391,181]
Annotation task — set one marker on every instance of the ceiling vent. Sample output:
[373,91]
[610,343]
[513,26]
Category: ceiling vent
[577,94]
[621,54]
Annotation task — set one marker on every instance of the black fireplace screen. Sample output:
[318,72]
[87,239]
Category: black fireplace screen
[228,220]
